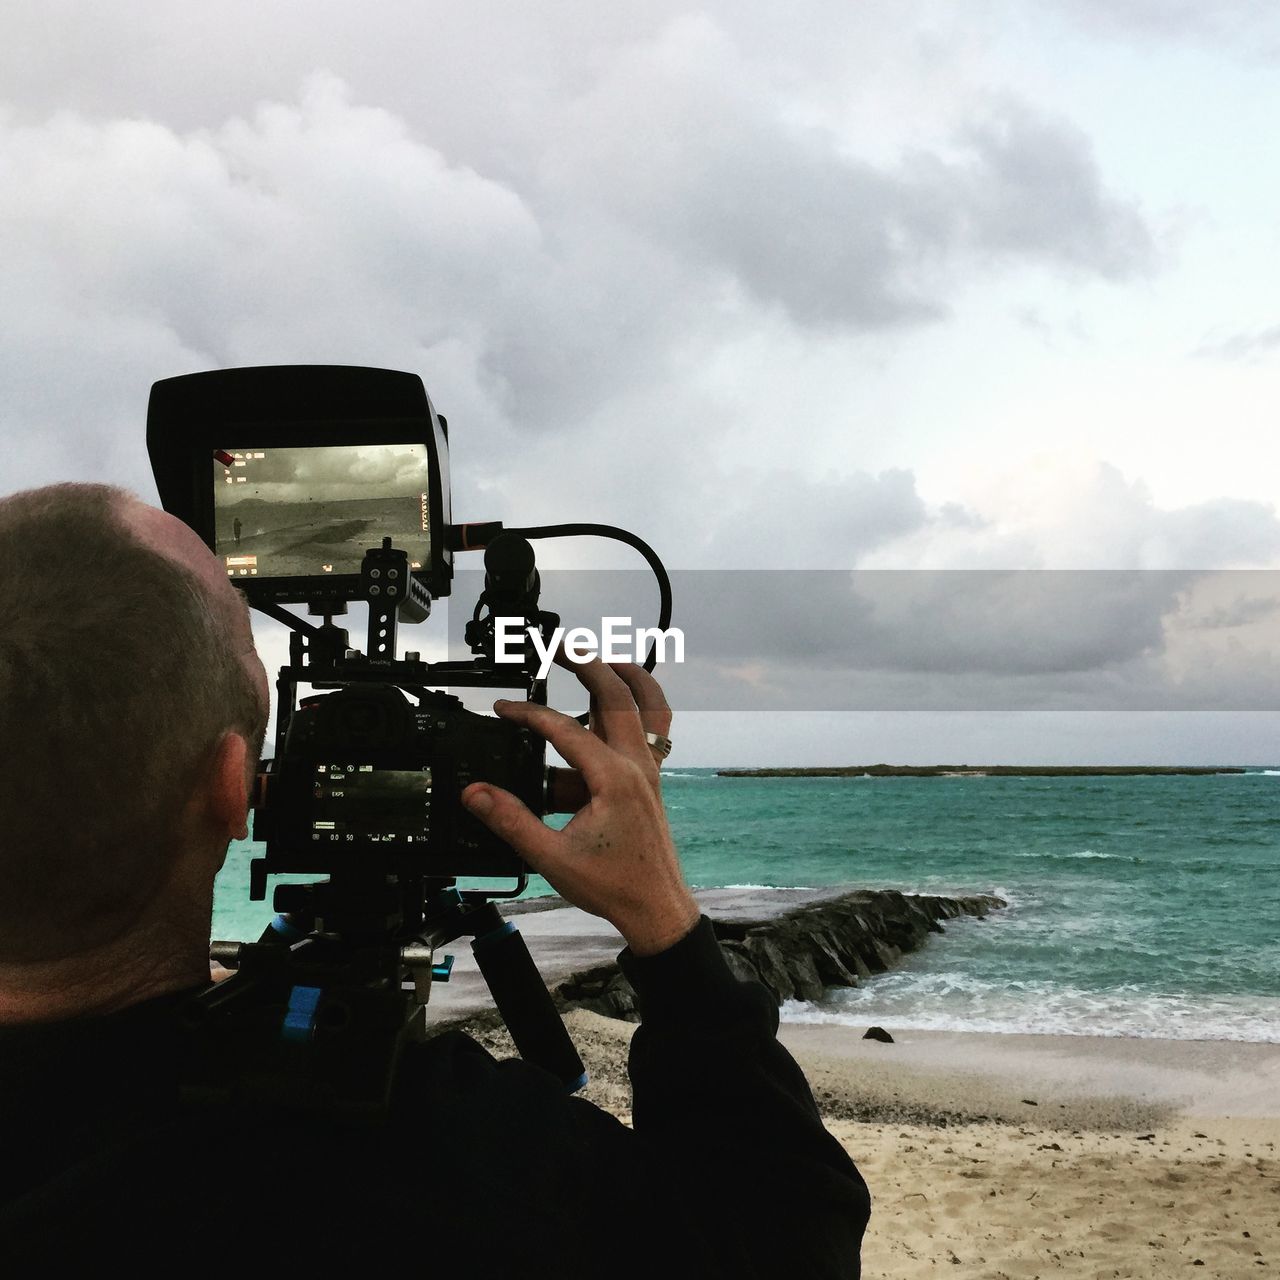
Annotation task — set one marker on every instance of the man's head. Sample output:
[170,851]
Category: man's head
[132,711]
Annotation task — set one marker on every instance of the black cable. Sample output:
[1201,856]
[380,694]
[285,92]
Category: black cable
[618,535]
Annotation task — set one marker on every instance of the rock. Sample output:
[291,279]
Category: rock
[804,977]
[878,1033]
[835,942]
[771,964]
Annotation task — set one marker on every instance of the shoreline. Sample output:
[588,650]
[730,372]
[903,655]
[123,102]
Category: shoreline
[949,1080]
[1071,1079]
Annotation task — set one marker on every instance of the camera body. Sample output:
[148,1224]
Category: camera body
[368,778]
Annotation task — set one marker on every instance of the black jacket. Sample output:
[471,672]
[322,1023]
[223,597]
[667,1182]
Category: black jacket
[486,1169]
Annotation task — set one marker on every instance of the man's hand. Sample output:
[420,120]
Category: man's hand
[615,858]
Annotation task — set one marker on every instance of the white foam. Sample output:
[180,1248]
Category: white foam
[955,1001]
[1011,899]
[766,887]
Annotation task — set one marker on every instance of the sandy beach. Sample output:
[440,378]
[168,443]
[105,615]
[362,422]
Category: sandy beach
[995,1155]
[1024,1156]
[1033,1156]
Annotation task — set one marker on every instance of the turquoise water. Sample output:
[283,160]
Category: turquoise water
[1138,906]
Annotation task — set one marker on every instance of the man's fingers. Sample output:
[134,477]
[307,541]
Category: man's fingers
[510,819]
[655,713]
[579,746]
[619,722]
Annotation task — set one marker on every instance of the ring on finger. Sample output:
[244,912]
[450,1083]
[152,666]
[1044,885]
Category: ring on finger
[660,744]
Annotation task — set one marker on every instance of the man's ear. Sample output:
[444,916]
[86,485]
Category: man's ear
[228,786]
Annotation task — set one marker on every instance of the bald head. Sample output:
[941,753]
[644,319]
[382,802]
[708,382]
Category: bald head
[177,541]
[126,666]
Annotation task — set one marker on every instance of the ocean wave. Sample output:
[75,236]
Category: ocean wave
[1049,855]
[1011,899]
[805,887]
[954,1001]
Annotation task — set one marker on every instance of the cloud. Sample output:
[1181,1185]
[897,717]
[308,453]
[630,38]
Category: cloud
[929,640]
[1061,510]
[1033,191]
[1241,22]
[681,141]
[1248,345]
[307,232]
[671,210]
[781,519]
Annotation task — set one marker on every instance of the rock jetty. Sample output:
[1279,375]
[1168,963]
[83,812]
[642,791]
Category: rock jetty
[836,942]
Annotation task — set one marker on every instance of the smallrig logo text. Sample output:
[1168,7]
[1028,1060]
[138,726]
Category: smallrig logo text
[618,641]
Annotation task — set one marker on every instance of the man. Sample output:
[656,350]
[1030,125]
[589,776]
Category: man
[134,706]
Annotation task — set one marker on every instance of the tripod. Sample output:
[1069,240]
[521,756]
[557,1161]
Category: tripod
[318,1011]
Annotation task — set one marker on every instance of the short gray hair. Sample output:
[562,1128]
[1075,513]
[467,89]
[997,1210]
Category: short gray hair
[118,675]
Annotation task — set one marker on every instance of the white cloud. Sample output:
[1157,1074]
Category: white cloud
[1064,510]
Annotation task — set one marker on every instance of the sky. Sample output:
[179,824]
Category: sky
[924,287]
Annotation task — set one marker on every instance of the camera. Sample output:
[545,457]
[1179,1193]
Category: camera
[321,486]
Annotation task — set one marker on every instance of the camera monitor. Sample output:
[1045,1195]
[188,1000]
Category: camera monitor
[290,473]
[307,511]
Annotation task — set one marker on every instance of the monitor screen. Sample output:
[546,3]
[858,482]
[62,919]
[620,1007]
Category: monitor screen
[308,512]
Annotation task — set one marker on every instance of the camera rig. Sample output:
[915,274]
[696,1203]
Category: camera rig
[289,473]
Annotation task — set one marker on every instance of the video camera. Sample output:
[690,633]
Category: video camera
[323,486]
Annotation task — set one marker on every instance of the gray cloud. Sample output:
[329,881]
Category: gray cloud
[1242,611]
[1220,531]
[1034,191]
[1249,345]
[1243,23]
[540,252]
[573,298]
[813,640]
[680,142]
[779,519]
[320,474]
[1069,513]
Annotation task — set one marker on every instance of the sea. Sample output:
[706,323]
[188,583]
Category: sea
[1138,906]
